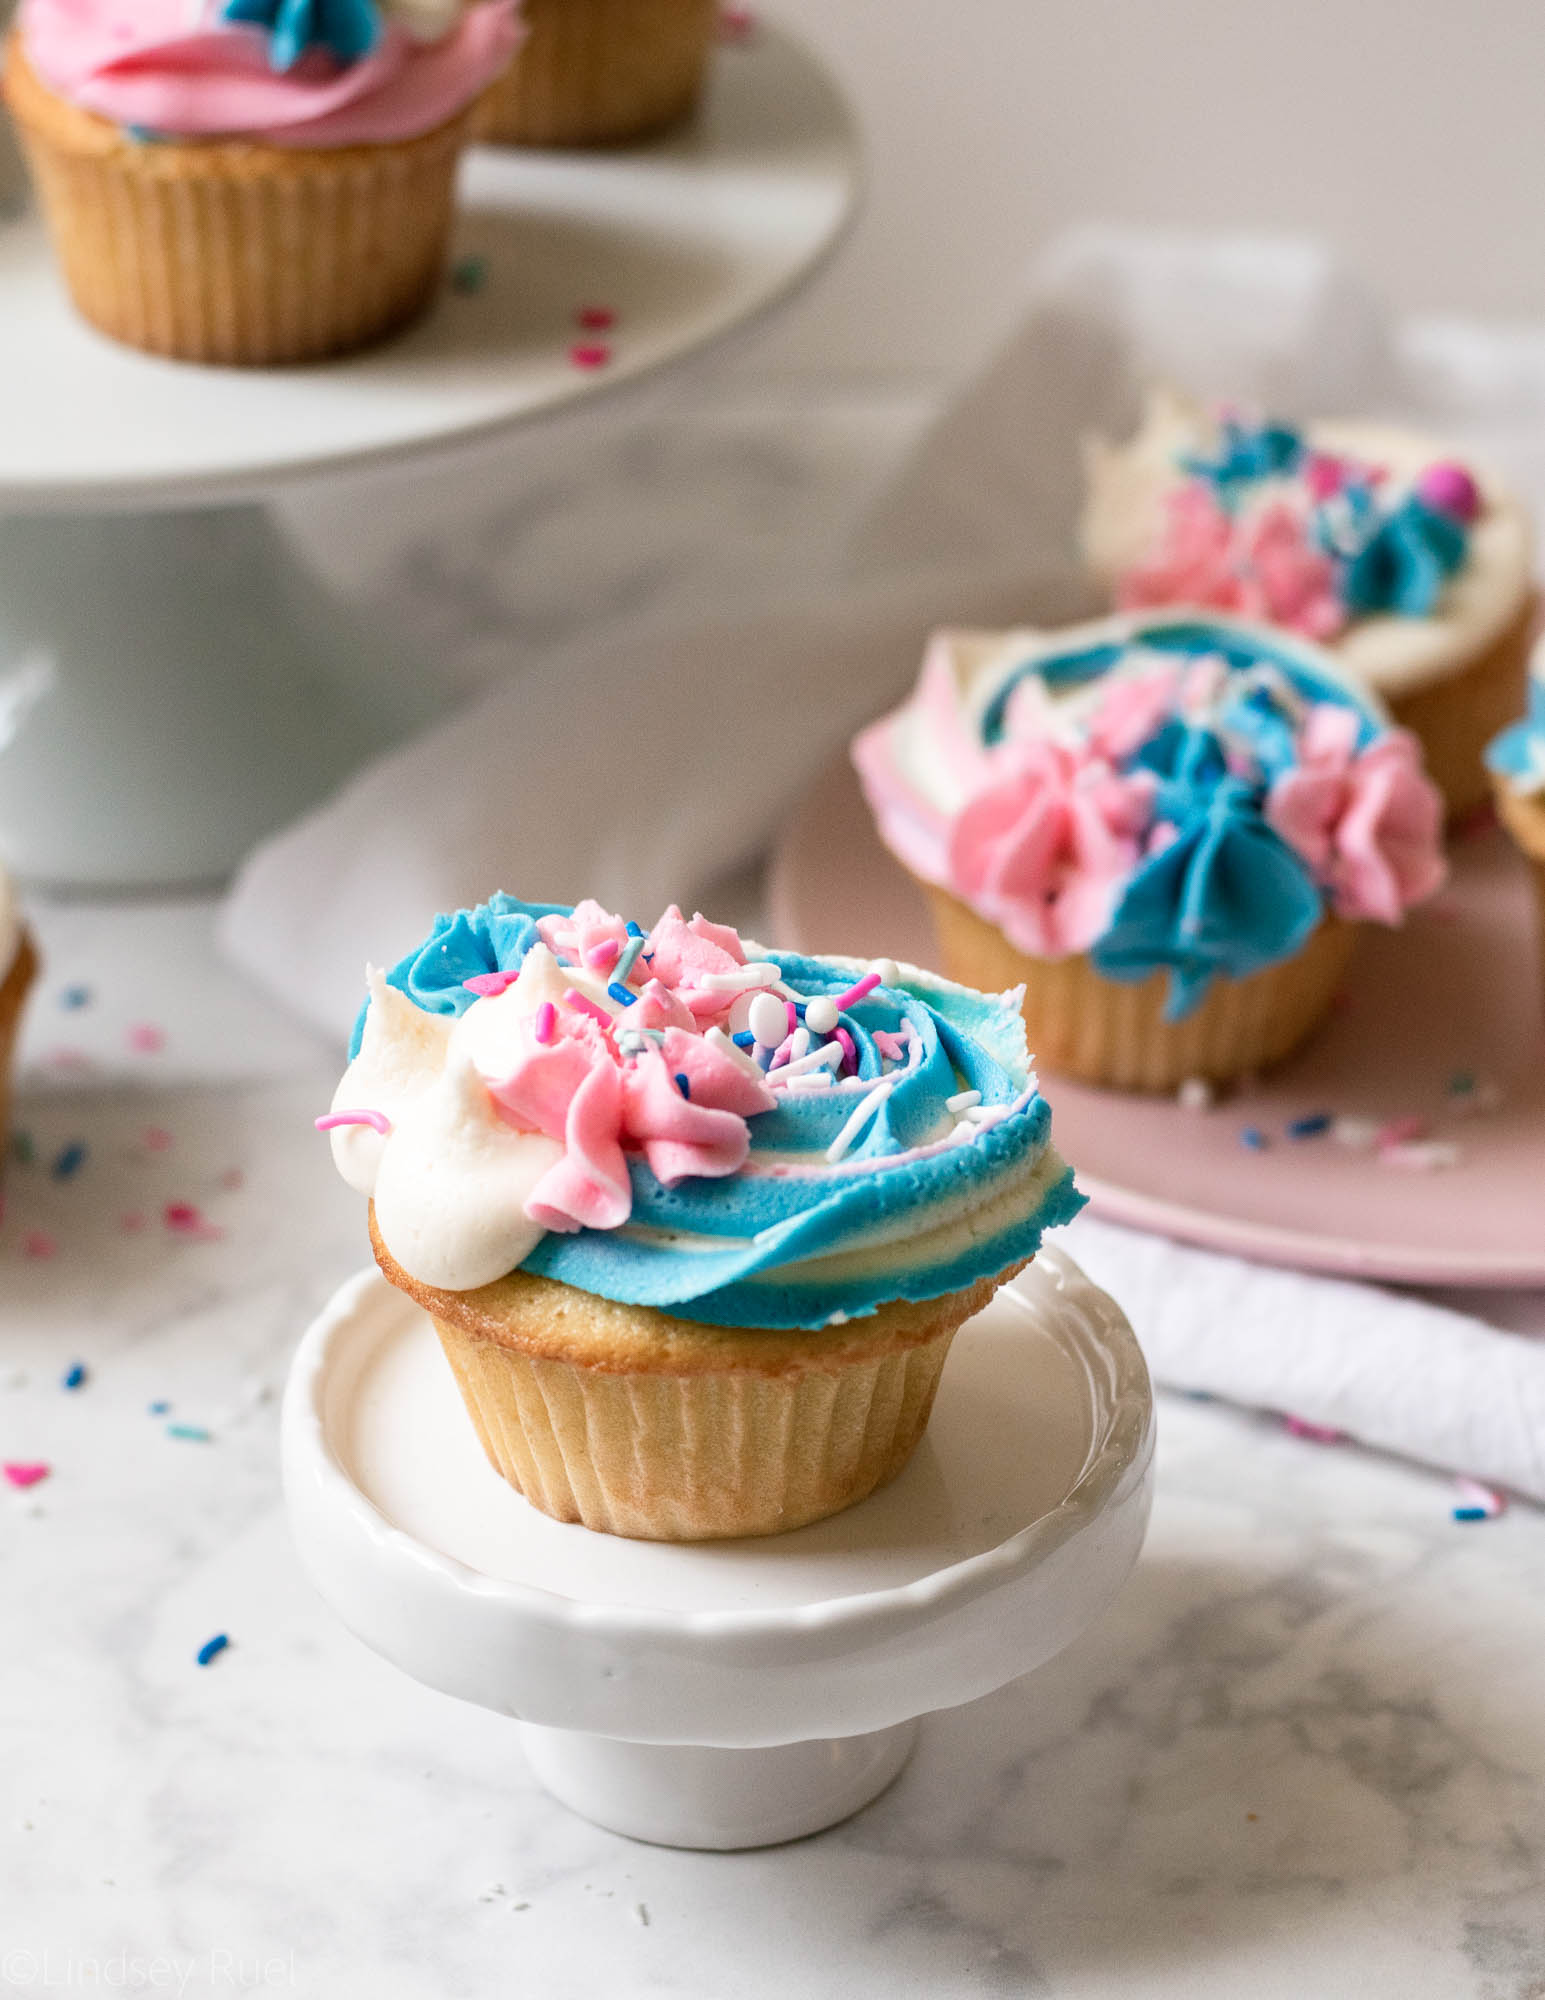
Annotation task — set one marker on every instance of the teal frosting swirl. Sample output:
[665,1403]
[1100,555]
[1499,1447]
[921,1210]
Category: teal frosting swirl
[793,1240]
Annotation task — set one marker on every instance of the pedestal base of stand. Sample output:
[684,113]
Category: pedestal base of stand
[688,1795]
[173,687]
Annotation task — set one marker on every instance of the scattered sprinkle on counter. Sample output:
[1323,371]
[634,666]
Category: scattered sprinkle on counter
[69,1160]
[1253,1139]
[1196,1094]
[1300,1427]
[192,1433]
[146,1039]
[1310,1126]
[468,276]
[74,1376]
[595,319]
[24,1473]
[38,1243]
[211,1649]
[160,1408]
[1478,1502]
[156,1138]
[590,354]
[73,998]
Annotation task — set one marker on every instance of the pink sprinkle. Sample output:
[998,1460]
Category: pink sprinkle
[889,1044]
[793,1014]
[583,1004]
[132,1223]
[38,1243]
[156,1138]
[546,1021]
[604,954]
[25,1474]
[376,1120]
[1399,1131]
[184,1218]
[849,1053]
[781,1054]
[146,1039]
[488,985]
[69,1059]
[595,319]
[233,1177]
[856,993]
[1300,1427]
[586,354]
[736,24]
[1473,1494]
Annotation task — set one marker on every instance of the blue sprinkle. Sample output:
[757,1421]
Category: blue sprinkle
[682,1083]
[1253,1139]
[621,994]
[194,1433]
[744,1039]
[1471,1514]
[70,1160]
[159,1409]
[74,1375]
[74,997]
[212,1648]
[634,930]
[1311,1126]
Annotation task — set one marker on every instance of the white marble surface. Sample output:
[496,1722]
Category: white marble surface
[1302,1756]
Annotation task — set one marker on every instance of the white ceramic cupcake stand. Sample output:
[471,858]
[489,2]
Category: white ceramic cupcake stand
[174,682]
[728,1694]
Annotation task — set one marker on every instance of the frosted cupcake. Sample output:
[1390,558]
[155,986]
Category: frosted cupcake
[1166,826]
[1411,565]
[696,1222]
[1516,760]
[251,180]
[598,72]
[18,968]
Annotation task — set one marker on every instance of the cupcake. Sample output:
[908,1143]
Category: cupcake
[250,180]
[597,72]
[696,1222]
[1516,761]
[1412,566]
[1166,826]
[18,968]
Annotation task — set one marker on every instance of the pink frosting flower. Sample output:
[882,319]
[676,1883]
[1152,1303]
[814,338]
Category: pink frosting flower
[684,952]
[703,1132]
[1262,565]
[1285,579]
[1133,710]
[588,928]
[1045,849]
[1369,825]
[1193,562]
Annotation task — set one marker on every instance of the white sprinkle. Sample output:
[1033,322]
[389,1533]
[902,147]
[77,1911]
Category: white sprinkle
[863,1111]
[821,1014]
[641,1913]
[800,1044]
[837,1319]
[768,1020]
[887,968]
[963,1132]
[828,1058]
[1420,1156]
[1360,1135]
[962,1100]
[741,979]
[810,1079]
[1196,1094]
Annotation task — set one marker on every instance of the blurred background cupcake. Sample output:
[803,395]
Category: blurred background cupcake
[253,181]
[1412,566]
[1516,761]
[1165,826]
[598,72]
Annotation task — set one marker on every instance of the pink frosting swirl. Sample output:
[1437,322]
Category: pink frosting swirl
[1369,825]
[156,65]
[1045,849]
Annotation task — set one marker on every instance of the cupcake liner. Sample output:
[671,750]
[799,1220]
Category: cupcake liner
[1524,819]
[696,1457]
[13,991]
[596,72]
[1456,717]
[236,252]
[1103,1031]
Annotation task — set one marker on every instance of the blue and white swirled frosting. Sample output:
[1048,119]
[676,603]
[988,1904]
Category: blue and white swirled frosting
[679,1120]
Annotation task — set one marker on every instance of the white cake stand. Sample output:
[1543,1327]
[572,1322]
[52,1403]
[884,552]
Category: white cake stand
[728,1694]
[173,681]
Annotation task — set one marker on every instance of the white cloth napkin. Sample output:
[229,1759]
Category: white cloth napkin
[642,770]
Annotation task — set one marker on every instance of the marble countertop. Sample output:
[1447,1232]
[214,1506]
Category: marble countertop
[1302,1756]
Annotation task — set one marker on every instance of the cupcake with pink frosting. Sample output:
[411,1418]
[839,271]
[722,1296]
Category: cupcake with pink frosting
[1167,827]
[251,181]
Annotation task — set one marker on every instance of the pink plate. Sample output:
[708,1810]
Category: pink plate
[1456,991]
